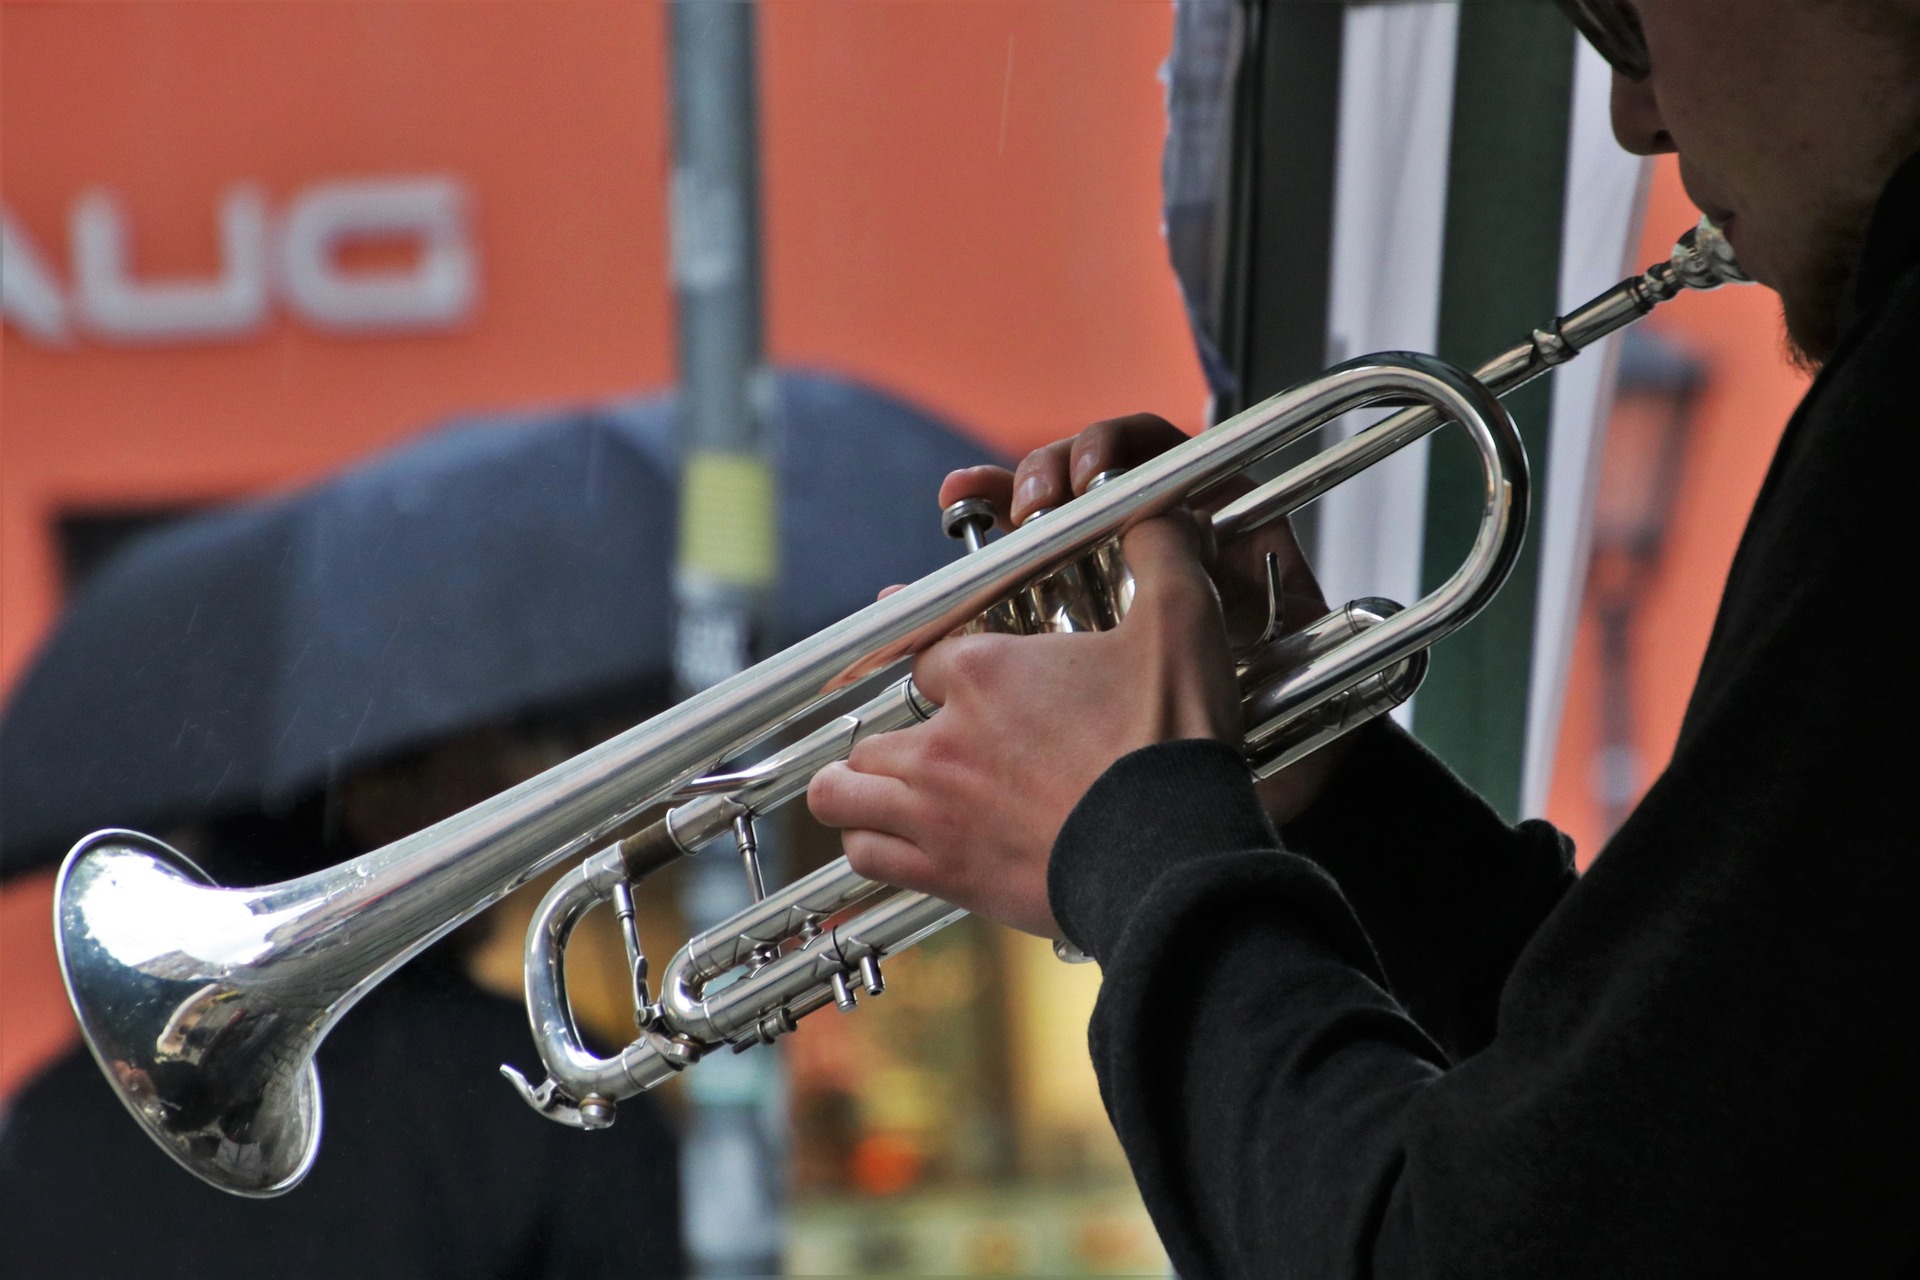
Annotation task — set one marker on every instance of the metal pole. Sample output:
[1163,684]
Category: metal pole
[734,1157]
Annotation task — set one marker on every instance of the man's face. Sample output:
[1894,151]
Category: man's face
[1788,116]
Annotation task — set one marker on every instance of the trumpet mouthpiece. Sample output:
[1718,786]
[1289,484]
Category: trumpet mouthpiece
[1703,259]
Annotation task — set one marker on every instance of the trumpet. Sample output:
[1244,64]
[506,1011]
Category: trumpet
[204,1005]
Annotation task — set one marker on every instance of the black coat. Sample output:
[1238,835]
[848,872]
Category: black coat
[430,1165]
[1401,1040]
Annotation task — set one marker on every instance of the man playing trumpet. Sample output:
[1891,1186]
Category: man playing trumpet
[1354,1024]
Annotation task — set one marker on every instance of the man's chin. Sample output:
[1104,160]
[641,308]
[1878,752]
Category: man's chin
[1812,297]
[1812,331]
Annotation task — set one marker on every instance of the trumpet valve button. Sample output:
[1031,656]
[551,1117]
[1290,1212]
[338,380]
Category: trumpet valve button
[870,976]
[843,993]
[969,520]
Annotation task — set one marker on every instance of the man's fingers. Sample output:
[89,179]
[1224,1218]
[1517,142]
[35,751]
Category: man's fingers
[841,795]
[995,484]
[875,814]
[1176,622]
[1167,554]
[890,755]
[958,658]
[1119,443]
[1054,473]
[1040,481]
[887,858]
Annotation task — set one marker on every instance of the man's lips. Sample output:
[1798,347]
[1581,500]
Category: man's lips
[1719,215]
[1716,212]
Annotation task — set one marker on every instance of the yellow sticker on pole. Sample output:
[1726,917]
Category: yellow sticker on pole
[727,518]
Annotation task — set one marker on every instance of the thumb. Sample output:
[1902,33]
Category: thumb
[1177,634]
[1167,556]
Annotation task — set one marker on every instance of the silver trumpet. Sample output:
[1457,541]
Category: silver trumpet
[204,1005]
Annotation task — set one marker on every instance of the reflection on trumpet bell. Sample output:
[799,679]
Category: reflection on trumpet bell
[219,1072]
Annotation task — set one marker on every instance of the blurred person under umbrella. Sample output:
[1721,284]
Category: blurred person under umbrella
[303,678]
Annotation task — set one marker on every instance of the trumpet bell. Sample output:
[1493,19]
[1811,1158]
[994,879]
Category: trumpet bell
[162,968]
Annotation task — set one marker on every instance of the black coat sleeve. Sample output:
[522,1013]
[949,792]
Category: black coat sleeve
[1447,892]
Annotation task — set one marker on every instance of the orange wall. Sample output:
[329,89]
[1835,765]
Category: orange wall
[961,205]
[1750,393]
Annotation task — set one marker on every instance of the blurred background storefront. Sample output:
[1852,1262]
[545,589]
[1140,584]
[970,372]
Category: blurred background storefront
[249,244]
[245,245]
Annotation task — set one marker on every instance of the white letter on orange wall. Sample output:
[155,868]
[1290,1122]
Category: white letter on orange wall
[29,295]
[437,290]
[117,307]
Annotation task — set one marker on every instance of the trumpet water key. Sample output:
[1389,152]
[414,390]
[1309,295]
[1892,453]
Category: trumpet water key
[204,1005]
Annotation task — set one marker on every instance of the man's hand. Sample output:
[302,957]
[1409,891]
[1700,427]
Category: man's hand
[1056,473]
[967,806]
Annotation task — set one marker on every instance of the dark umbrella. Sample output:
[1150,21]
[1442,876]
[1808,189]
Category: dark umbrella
[489,571]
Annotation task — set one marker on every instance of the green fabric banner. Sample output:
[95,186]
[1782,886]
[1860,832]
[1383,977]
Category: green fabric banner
[1500,278]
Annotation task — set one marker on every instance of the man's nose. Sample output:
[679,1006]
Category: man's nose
[1637,123]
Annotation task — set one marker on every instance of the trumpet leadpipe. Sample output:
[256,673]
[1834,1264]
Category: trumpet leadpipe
[1701,260]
